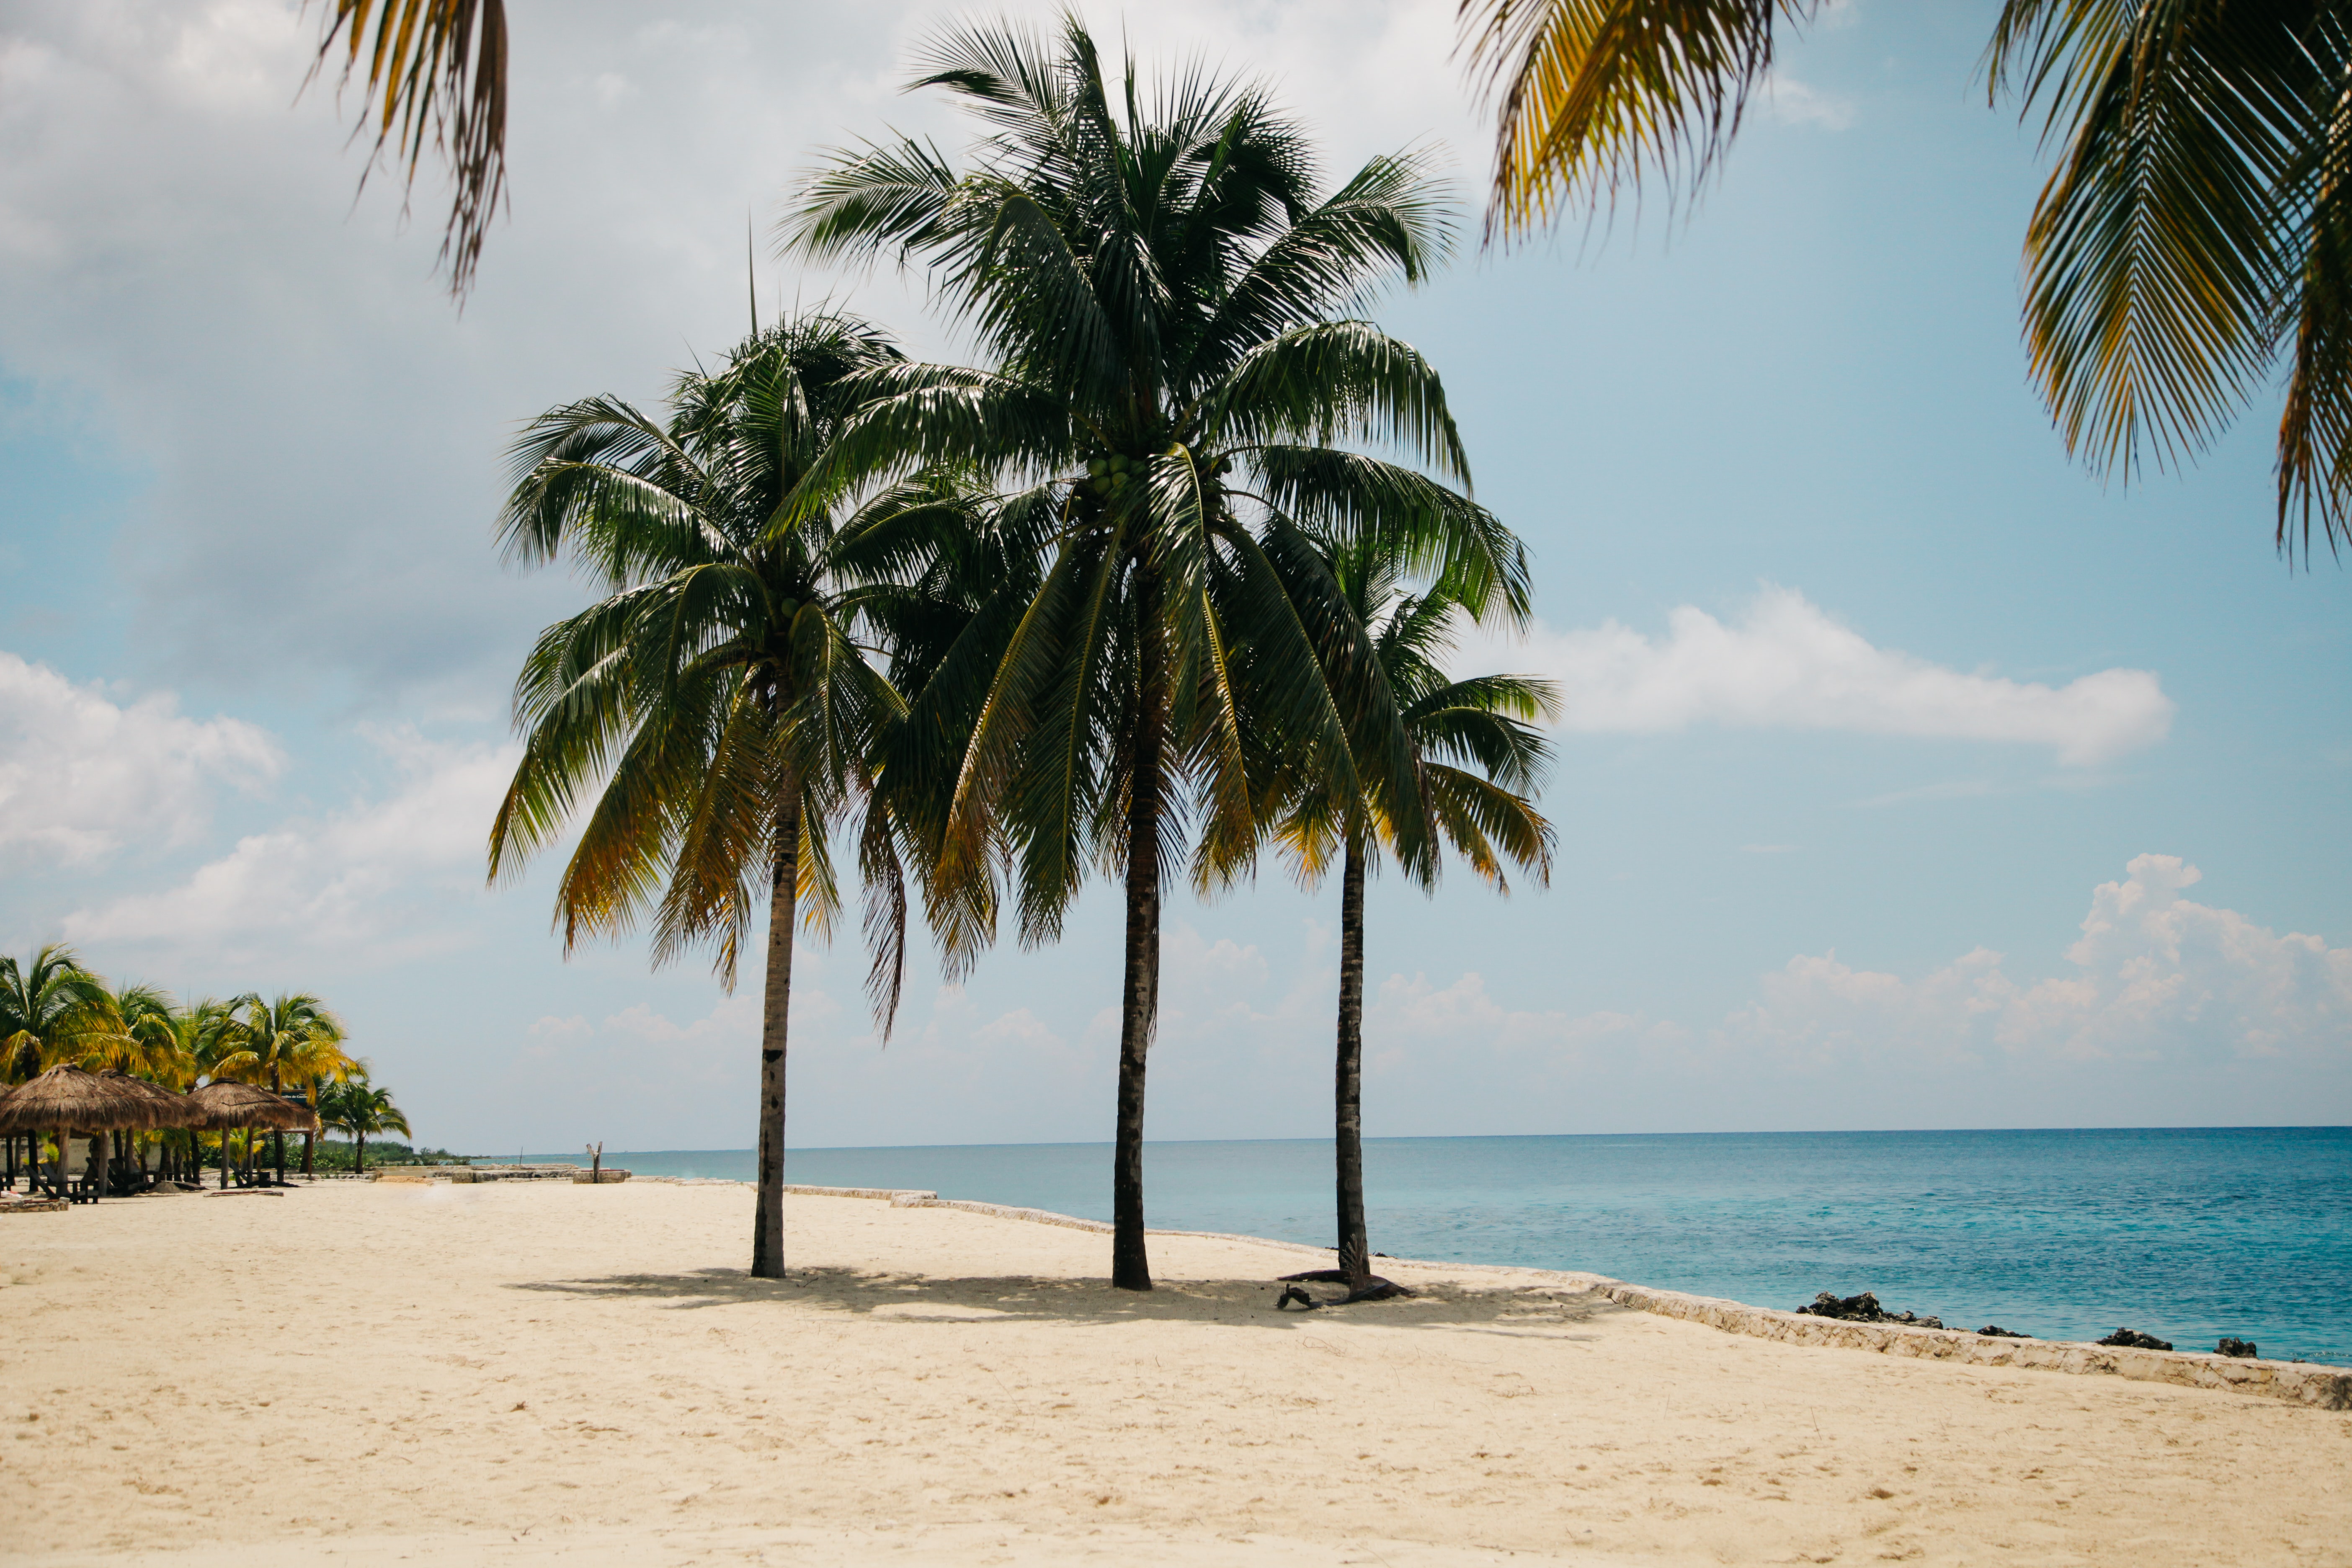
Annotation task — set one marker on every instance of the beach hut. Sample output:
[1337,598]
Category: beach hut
[230,1106]
[68,1101]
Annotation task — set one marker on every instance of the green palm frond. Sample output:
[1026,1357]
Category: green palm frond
[713,709]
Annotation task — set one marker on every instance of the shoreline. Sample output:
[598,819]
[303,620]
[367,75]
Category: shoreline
[2314,1384]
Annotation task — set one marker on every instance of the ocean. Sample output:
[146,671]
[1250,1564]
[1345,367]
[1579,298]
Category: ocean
[2188,1234]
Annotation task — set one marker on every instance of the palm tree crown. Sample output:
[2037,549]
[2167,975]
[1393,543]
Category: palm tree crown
[53,1010]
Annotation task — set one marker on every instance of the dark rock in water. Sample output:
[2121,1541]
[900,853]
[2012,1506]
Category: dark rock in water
[2244,1349]
[1995,1331]
[2133,1340]
[1862,1309]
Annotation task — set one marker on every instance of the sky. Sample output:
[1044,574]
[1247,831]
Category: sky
[1909,774]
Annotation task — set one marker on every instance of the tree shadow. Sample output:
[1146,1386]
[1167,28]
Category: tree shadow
[1547,1310]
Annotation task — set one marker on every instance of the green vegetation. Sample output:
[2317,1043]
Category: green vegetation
[1097,576]
[719,692]
[53,1011]
[1449,727]
[362,1110]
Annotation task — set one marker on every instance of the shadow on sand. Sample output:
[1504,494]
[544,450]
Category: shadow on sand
[1249,1303]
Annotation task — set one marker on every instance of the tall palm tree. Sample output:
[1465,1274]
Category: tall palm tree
[714,702]
[1452,727]
[1162,282]
[2196,232]
[362,1109]
[274,1042]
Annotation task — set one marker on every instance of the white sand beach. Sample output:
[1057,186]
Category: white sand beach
[362,1374]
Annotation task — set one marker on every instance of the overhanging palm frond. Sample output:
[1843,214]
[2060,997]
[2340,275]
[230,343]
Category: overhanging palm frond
[1593,96]
[437,77]
[2193,232]
[2153,260]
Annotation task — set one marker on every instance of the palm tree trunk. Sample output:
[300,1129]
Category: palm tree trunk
[93,1171]
[784,908]
[277,1137]
[1347,1123]
[359,1153]
[1131,1263]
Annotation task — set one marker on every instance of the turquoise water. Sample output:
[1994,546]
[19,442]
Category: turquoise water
[2187,1234]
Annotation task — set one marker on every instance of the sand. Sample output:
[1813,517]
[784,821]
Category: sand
[521,1374]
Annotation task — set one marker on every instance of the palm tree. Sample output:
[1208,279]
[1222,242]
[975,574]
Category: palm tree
[2196,232]
[1159,278]
[275,1041]
[52,1010]
[1451,726]
[716,691]
[313,1065]
[362,1109]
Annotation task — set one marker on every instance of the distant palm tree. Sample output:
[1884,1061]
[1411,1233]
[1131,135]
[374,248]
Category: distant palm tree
[273,1042]
[312,1065]
[716,697]
[53,1011]
[1161,281]
[2196,234]
[1484,723]
[362,1110]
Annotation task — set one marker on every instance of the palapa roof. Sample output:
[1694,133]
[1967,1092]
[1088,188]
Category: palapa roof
[171,1109]
[228,1105]
[68,1098]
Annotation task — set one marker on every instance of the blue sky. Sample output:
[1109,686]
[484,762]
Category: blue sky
[1912,777]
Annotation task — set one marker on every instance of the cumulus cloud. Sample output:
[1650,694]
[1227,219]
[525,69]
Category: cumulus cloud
[2164,1011]
[1784,664]
[83,772]
[341,879]
[221,281]
[2155,978]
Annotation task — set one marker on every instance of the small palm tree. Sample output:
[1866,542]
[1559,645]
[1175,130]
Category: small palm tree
[52,1010]
[312,1065]
[1452,727]
[274,1042]
[362,1110]
[715,703]
[1162,282]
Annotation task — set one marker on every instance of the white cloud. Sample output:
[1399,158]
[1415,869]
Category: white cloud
[1785,665]
[336,881]
[82,774]
[2155,978]
[1793,103]
[2166,1011]
[221,281]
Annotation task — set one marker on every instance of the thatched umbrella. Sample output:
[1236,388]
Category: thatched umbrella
[70,1100]
[171,1109]
[233,1105]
